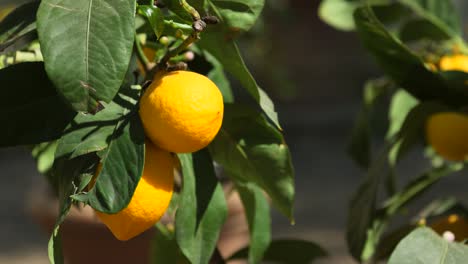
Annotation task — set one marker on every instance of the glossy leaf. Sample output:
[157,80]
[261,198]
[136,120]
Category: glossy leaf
[18,21]
[155,18]
[197,231]
[251,149]
[287,251]
[424,246]
[123,162]
[257,210]
[236,15]
[32,112]
[87,47]
[227,53]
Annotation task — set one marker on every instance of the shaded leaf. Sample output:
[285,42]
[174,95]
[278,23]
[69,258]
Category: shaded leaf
[87,47]
[18,21]
[197,236]
[32,112]
[236,16]
[164,248]
[66,175]
[257,211]
[251,149]
[288,251]
[123,162]
[227,53]
[362,209]
[435,248]
[418,29]
[405,68]
[217,75]
[441,14]
[359,147]
[155,18]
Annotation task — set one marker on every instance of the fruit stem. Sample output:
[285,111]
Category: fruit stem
[141,55]
[189,9]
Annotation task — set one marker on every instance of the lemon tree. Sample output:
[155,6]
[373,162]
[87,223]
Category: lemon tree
[128,108]
[421,51]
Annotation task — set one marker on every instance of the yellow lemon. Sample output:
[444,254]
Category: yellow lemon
[447,133]
[150,199]
[457,62]
[453,223]
[182,111]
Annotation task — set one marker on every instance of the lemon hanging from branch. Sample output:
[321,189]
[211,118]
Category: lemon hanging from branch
[182,111]
[150,199]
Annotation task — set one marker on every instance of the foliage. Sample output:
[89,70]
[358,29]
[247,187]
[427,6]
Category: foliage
[407,39]
[78,69]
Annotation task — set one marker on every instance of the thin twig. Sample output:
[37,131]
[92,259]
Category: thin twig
[141,55]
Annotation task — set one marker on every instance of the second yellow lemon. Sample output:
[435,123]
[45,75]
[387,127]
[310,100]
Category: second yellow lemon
[458,62]
[150,199]
[182,111]
[447,133]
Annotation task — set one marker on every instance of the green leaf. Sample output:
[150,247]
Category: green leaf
[54,247]
[424,246]
[419,29]
[362,209]
[217,75]
[257,210]
[416,187]
[413,128]
[359,147]
[18,21]
[32,112]
[66,175]
[288,251]
[87,47]
[155,18]
[164,248]
[227,53]
[176,7]
[401,104]
[92,133]
[405,68]
[441,14]
[236,16]
[251,149]
[338,13]
[44,154]
[202,208]
[123,162]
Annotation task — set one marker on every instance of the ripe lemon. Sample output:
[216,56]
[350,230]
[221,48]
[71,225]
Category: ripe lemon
[457,62]
[453,223]
[447,133]
[150,199]
[182,111]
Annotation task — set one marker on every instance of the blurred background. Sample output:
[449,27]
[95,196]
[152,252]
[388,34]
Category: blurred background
[314,75]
